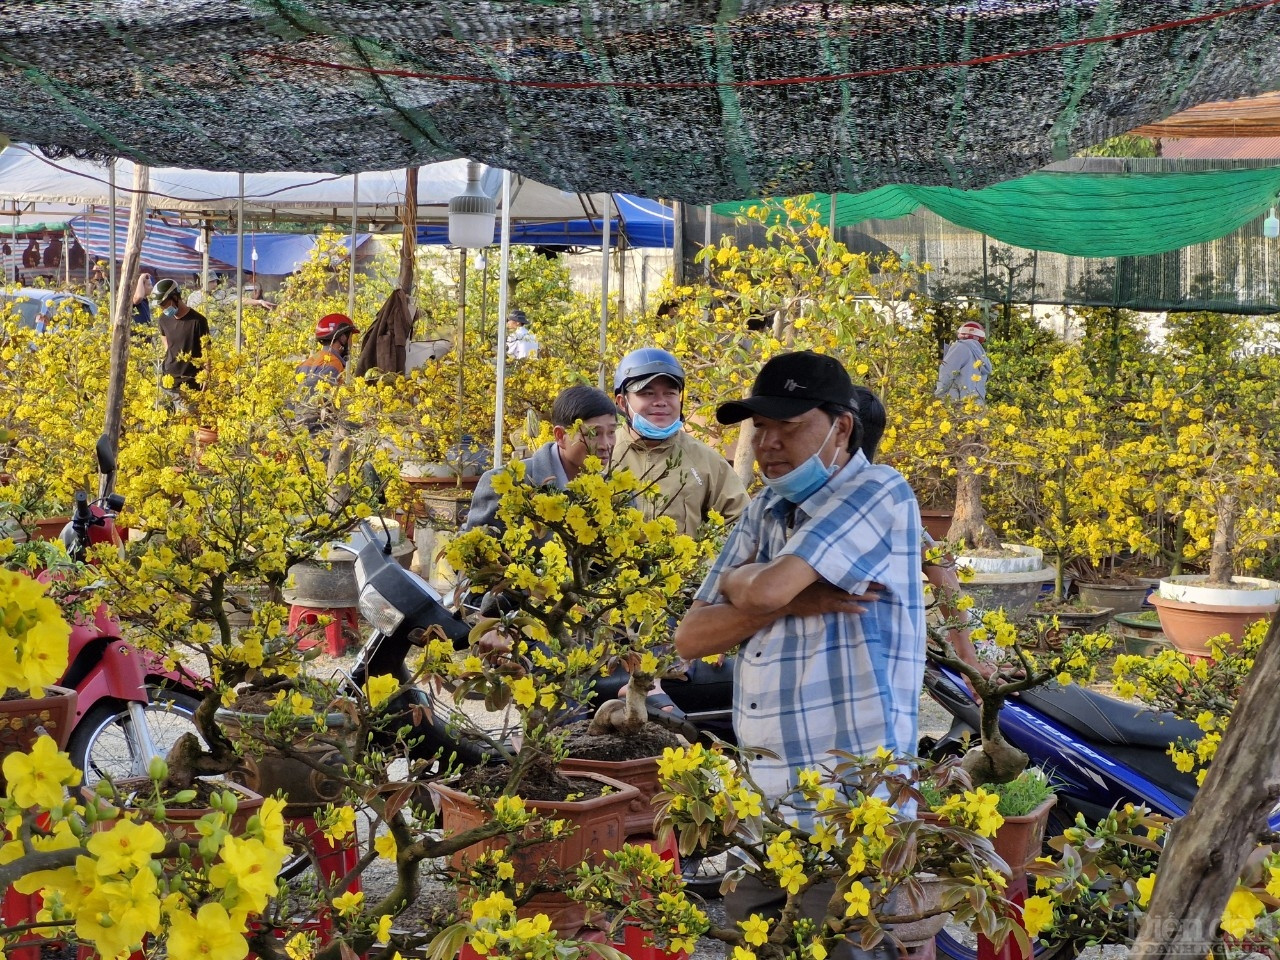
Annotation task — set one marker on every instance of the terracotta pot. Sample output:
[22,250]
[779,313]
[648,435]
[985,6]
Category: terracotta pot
[1019,840]
[599,825]
[50,528]
[304,787]
[1188,626]
[22,718]
[937,523]
[641,774]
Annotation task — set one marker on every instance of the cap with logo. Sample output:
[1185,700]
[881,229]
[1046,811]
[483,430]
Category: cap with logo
[789,385]
[971,331]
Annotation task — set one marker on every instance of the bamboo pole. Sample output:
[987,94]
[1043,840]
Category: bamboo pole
[122,310]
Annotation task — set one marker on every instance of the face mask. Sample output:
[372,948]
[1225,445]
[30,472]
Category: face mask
[170,313]
[651,431]
[805,480]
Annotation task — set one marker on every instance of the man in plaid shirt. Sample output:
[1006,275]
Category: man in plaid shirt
[818,585]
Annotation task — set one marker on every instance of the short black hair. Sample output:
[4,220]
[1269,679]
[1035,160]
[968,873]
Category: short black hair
[873,416]
[581,403]
[833,410]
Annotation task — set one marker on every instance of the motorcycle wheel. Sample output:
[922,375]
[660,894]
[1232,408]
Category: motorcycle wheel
[103,744]
[703,873]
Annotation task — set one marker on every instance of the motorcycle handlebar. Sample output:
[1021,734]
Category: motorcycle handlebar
[80,511]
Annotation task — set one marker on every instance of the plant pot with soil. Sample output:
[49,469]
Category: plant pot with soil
[1072,616]
[1142,634]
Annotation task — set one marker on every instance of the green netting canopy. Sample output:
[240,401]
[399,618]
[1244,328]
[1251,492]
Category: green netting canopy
[1078,214]
[702,100]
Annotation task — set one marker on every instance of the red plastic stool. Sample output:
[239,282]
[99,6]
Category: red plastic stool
[341,619]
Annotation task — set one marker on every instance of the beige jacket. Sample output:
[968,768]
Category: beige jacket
[700,482]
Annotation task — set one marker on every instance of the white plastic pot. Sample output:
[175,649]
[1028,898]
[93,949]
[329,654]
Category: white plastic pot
[1247,592]
[1021,559]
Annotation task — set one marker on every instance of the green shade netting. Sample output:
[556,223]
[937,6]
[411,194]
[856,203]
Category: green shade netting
[1078,214]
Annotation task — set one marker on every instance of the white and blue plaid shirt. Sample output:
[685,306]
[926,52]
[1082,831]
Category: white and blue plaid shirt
[804,686]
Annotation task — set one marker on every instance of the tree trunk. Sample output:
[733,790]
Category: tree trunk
[995,760]
[1220,566]
[1209,846]
[969,523]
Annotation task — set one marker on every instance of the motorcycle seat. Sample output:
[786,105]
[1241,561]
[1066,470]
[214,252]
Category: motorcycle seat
[1103,719]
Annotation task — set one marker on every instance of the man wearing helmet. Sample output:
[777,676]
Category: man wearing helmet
[335,331]
[182,331]
[691,479]
[965,367]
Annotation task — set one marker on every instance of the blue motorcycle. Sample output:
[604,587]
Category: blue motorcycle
[1099,753]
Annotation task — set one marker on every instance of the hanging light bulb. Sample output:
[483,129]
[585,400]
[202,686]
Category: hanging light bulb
[1271,225]
[472,213]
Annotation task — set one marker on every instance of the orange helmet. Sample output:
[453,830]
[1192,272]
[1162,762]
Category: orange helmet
[330,326]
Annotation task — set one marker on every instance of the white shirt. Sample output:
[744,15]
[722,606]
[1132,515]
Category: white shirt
[522,343]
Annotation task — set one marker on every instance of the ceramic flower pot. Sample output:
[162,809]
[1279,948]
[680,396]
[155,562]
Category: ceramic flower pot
[1121,597]
[1189,626]
[641,774]
[1243,591]
[304,787]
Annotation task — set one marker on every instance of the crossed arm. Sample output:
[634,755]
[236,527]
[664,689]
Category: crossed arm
[757,594]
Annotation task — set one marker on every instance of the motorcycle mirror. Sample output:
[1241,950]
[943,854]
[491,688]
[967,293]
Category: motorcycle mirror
[106,458]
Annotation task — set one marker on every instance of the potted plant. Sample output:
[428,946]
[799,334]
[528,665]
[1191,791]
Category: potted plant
[587,584]
[847,829]
[1232,492]
[33,654]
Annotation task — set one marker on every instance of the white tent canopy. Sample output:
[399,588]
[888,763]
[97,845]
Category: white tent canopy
[27,177]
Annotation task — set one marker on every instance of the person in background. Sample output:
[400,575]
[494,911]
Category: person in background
[941,572]
[98,277]
[819,588]
[648,387]
[334,331]
[183,332]
[584,423]
[142,300]
[965,367]
[521,343]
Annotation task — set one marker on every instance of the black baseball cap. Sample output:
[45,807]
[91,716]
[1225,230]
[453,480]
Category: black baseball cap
[791,384]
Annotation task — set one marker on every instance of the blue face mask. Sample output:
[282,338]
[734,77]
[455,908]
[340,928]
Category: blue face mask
[651,431]
[169,313]
[804,481]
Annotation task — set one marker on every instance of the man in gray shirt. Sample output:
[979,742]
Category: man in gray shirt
[965,367]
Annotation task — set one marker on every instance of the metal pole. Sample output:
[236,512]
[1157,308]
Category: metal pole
[240,266]
[504,270]
[66,258]
[604,299]
[87,258]
[706,242]
[111,227]
[462,339]
[351,271]
[204,265]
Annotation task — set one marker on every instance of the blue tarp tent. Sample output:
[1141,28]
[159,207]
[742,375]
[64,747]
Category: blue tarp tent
[165,248]
[272,254]
[645,223]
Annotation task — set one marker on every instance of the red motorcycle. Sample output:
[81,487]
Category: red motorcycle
[130,708]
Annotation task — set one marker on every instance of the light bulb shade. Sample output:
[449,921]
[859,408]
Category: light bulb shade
[1271,225]
[472,213]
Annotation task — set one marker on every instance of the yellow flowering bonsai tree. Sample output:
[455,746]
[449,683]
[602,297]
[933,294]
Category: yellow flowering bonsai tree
[1013,662]
[588,586]
[845,826]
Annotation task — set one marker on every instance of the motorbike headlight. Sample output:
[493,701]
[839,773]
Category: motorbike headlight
[379,611]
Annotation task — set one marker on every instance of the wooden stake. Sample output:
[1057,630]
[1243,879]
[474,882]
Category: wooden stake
[122,311]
